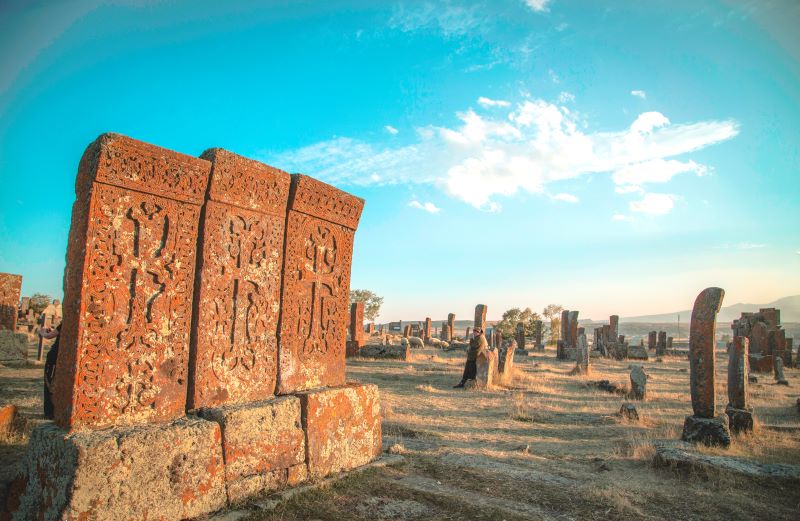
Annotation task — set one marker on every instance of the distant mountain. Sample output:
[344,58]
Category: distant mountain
[789,306]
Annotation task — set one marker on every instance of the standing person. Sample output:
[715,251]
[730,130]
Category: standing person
[476,345]
[50,368]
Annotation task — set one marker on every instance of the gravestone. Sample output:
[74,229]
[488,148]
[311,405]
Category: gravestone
[740,415]
[651,340]
[128,286]
[480,317]
[451,324]
[10,287]
[780,378]
[505,363]
[704,425]
[427,333]
[486,369]
[356,341]
[582,355]
[638,383]
[234,356]
[320,226]
[661,346]
[520,334]
[407,331]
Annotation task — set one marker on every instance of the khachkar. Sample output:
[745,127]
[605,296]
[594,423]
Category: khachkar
[520,336]
[451,325]
[356,341]
[480,317]
[565,348]
[427,331]
[740,414]
[126,360]
[767,338]
[10,287]
[705,425]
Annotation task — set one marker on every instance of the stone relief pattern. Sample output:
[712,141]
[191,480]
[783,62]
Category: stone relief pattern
[140,166]
[326,202]
[248,184]
[315,303]
[239,304]
[10,287]
[137,295]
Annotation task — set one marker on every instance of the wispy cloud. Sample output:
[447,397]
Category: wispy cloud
[427,206]
[565,97]
[653,204]
[621,217]
[567,198]
[537,5]
[639,94]
[486,102]
[741,246]
[524,148]
[390,129]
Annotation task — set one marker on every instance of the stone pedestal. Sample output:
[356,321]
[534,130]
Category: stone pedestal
[708,431]
[263,444]
[167,471]
[740,420]
[487,369]
[343,427]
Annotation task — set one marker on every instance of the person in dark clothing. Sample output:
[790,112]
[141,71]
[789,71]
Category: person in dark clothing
[50,368]
[476,345]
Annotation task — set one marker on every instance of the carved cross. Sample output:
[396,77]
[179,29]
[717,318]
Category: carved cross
[315,275]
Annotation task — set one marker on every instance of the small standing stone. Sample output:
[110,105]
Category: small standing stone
[780,378]
[638,383]
[740,415]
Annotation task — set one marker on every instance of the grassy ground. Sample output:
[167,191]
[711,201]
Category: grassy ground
[551,447]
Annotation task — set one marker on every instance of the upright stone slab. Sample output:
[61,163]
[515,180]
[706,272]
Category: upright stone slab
[427,333]
[613,322]
[703,426]
[128,284]
[486,373]
[582,355]
[10,287]
[234,356]
[407,331]
[520,334]
[320,226]
[480,317]
[661,346]
[565,327]
[451,324]
[356,341]
[573,329]
[651,340]
[702,350]
[739,413]
[638,383]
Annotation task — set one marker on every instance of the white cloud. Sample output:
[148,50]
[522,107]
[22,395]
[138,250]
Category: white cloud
[486,102]
[621,217]
[565,97]
[390,129]
[654,204]
[568,198]
[524,148]
[428,206]
[749,246]
[537,5]
[553,76]
[639,94]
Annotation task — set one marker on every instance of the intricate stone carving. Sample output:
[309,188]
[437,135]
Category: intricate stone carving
[235,346]
[701,351]
[316,285]
[128,286]
[10,287]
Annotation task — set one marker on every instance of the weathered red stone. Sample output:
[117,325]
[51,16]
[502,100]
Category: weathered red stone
[738,373]
[427,331]
[320,226]
[234,356]
[357,322]
[480,317]
[128,285]
[343,427]
[702,349]
[10,287]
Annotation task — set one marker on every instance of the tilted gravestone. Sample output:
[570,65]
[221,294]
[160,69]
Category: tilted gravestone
[704,425]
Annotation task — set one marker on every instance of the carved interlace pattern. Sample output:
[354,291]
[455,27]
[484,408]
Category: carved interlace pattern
[136,312]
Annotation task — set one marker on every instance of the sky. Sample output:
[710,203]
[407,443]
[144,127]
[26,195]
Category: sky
[612,157]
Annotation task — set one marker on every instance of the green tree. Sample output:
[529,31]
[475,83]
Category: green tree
[552,312]
[372,302]
[512,317]
[38,302]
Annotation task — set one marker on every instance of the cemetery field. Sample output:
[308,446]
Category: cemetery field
[550,447]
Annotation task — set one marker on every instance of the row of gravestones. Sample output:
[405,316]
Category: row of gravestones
[202,355]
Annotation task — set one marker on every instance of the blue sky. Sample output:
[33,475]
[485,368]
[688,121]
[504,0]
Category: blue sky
[613,157]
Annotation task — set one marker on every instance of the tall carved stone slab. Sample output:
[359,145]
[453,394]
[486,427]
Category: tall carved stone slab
[759,339]
[234,355]
[320,226]
[10,287]
[573,328]
[702,349]
[128,285]
[357,323]
[520,334]
[427,332]
[565,327]
[480,317]
[451,323]
[613,322]
[738,373]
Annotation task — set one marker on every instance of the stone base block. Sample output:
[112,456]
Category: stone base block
[13,347]
[740,420]
[260,441]
[159,472]
[637,353]
[708,431]
[486,375]
[343,427]
[761,364]
[246,487]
